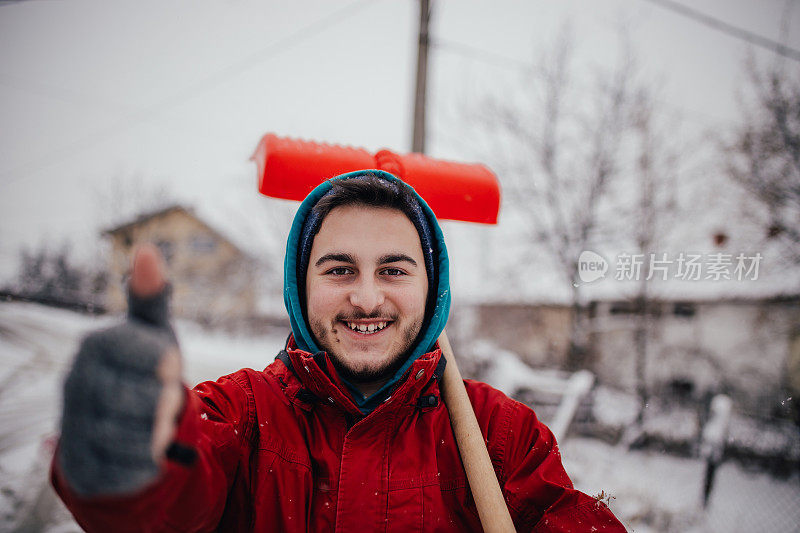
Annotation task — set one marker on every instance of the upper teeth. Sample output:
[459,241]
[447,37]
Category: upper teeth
[367,328]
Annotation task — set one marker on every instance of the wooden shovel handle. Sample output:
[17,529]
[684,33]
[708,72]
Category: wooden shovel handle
[492,508]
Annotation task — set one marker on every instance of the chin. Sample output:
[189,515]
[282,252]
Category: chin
[366,361]
[362,371]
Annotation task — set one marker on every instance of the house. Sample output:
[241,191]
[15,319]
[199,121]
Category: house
[700,347]
[713,327]
[720,330]
[213,279]
[696,347]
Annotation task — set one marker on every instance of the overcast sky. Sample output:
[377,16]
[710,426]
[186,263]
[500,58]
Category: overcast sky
[179,92]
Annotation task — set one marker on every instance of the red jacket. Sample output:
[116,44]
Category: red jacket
[286,450]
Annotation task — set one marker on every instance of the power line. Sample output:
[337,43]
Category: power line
[724,27]
[495,59]
[210,82]
[58,93]
[12,2]
[479,53]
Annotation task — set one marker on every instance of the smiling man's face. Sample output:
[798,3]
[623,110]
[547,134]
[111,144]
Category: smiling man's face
[366,288]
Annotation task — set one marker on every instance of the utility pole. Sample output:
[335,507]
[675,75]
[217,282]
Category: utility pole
[418,140]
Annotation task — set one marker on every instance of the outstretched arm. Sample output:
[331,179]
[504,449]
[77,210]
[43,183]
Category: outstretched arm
[138,450]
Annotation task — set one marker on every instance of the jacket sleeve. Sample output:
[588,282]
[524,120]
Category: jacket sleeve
[215,429]
[537,489]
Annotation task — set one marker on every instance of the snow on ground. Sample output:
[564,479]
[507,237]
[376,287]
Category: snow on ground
[37,344]
[655,492]
[648,491]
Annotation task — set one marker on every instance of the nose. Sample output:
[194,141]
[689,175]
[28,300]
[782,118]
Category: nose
[366,295]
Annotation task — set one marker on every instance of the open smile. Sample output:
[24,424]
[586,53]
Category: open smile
[361,327]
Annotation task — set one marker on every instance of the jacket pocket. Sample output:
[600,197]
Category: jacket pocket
[431,503]
[449,507]
[404,509]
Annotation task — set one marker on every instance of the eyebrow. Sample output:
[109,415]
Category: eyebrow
[396,258]
[342,257]
[337,257]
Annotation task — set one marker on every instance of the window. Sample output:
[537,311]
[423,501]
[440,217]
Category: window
[684,309]
[625,308]
[635,307]
[166,249]
[203,244]
[774,230]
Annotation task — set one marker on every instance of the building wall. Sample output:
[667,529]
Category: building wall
[538,334]
[696,348]
[736,347]
[212,280]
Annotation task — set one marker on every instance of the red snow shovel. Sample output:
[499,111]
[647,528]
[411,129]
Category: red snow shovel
[290,169]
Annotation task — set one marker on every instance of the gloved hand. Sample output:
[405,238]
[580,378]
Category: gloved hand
[123,394]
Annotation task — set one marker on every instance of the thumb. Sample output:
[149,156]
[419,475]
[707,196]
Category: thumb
[148,290]
[147,271]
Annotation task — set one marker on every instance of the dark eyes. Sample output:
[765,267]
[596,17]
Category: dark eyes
[345,271]
[340,271]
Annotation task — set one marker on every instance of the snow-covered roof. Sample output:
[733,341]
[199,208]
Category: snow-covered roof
[188,210]
[498,265]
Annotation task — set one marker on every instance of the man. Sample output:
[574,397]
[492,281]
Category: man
[345,431]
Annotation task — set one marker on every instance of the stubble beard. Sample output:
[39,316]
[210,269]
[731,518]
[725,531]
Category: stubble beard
[368,374]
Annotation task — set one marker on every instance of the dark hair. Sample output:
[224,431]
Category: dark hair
[368,190]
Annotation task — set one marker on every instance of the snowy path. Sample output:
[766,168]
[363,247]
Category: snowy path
[37,345]
[35,356]
[35,348]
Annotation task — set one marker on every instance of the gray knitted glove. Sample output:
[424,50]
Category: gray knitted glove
[110,398]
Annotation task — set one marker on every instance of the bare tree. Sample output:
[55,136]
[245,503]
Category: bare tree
[654,211]
[562,150]
[123,197]
[763,155]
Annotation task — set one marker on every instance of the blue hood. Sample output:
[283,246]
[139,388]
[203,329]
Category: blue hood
[291,297]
